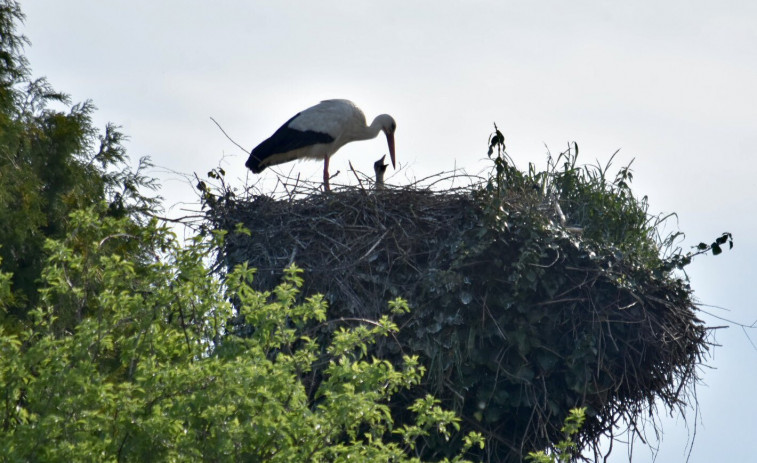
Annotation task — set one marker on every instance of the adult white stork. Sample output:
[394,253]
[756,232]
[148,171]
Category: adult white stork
[317,133]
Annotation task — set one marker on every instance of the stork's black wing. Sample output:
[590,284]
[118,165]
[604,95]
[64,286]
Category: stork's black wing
[284,140]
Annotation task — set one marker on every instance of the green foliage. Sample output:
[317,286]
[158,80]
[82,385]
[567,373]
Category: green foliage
[52,162]
[150,373]
[13,65]
[604,208]
[601,206]
[567,449]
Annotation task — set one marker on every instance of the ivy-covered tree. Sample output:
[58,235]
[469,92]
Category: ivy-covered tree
[52,161]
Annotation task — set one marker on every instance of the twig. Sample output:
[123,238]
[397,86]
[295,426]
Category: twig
[227,136]
[356,176]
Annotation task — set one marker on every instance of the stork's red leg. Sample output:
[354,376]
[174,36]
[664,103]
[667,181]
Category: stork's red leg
[326,174]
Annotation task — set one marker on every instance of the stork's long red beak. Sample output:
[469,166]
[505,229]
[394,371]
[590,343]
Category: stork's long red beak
[390,141]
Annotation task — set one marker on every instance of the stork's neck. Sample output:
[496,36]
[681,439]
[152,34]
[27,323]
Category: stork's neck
[381,122]
[379,185]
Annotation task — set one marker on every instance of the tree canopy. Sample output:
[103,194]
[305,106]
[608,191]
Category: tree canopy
[53,161]
[152,374]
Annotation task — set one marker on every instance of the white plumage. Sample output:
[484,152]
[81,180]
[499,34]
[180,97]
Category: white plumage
[317,133]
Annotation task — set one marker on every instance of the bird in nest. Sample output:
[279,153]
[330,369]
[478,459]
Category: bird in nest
[317,133]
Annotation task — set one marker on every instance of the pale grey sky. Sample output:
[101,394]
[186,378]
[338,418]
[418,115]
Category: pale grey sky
[672,84]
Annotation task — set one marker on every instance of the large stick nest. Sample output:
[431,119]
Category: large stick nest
[516,318]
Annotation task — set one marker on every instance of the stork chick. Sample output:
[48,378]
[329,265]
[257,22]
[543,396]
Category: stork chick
[380,169]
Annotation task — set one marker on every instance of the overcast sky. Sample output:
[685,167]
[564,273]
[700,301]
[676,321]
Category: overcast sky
[671,84]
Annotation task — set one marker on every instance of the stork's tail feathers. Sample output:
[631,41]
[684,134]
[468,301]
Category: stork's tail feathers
[253,163]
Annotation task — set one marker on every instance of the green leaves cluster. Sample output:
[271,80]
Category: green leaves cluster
[150,373]
[603,207]
[599,204]
[567,449]
[53,161]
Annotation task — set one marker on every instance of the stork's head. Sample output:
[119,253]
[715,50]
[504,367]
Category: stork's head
[379,167]
[389,126]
